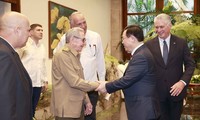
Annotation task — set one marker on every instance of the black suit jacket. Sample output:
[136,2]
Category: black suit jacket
[139,86]
[171,73]
[15,86]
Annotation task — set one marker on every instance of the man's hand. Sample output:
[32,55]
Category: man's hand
[177,88]
[45,87]
[88,109]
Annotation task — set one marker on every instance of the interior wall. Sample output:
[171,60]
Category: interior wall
[97,14]
[4,7]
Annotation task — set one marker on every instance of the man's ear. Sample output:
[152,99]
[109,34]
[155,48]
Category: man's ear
[133,38]
[30,32]
[16,30]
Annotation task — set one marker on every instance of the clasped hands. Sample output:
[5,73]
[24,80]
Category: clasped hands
[102,87]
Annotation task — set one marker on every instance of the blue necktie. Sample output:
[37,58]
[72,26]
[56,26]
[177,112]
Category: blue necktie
[165,52]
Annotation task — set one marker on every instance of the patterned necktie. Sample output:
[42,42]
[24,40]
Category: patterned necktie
[165,52]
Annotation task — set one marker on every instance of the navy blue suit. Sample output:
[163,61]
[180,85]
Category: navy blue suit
[15,86]
[172,72]
[139,86]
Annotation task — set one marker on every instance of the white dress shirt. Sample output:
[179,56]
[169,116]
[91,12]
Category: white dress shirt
[92,56]
[33,59]
[162,44]
[136,48]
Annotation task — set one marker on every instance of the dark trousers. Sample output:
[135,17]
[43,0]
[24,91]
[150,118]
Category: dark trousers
[65,118]
[35,98]
[171,110]
[94,96]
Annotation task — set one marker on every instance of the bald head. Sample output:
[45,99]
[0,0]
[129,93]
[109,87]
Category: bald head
[14,27]
[74,16]
[77,19]
[12,19]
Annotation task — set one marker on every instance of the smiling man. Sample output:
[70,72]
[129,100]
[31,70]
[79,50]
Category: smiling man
[170,53]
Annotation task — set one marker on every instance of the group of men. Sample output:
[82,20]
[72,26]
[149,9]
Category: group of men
[77,65]
[154,83]
[28,71]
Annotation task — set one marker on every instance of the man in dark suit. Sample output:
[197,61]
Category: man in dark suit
[172,81]
[15,83]
[139,81]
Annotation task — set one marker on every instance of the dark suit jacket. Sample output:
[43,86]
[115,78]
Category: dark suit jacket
[139,85]
[15,86]
[171,73]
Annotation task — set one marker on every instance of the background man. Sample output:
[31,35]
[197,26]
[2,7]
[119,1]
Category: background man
[33,59]
[172,81]
[15,83]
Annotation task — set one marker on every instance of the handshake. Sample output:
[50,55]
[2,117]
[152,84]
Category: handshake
[102,87]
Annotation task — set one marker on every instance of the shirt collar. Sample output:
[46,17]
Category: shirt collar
[136,48]
[32,42]
[68,48]
[8,42]
[167,39]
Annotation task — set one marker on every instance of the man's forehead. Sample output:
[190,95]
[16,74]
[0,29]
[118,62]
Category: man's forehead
[38,28]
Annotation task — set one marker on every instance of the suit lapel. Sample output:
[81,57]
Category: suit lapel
[157,52]
[171,49]
[132,57]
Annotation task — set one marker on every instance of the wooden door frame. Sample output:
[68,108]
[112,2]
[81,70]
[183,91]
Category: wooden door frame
[15,5]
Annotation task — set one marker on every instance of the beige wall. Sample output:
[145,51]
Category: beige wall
[97,13]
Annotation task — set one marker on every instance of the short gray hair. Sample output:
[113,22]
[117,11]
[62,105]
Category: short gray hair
[73,32]
[164,17]
[73,15]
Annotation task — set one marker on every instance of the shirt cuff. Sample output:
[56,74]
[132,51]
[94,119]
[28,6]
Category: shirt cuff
[183,82]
